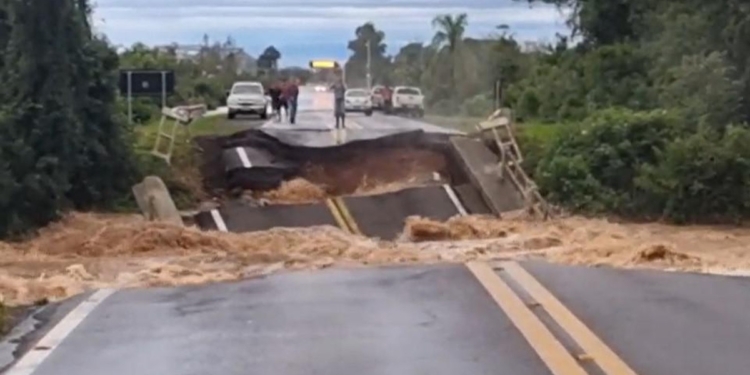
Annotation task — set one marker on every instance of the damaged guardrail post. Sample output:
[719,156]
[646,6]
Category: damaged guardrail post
[177,116]
[500,124]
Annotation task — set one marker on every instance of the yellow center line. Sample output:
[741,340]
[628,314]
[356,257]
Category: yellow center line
[550,350]
[348,218]
[337,215]
[594,347]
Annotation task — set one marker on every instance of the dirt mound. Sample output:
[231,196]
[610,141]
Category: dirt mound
[419,229]
[363,173]
[295,191]
[370,172]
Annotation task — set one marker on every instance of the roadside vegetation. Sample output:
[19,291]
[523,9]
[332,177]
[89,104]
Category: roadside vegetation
[204,77]
[641,113]
[643,116]
[65,140]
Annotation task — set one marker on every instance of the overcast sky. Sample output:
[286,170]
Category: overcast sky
[304,30]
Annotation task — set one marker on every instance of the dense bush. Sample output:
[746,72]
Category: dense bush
[62,143]
[605,154]
[477,106]
[703,176]
[648,165]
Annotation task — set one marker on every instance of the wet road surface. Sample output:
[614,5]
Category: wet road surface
[442,319]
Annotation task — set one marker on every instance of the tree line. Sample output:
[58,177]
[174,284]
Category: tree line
[641,111]
[457,73]
[205,76]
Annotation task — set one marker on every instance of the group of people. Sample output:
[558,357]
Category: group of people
[284,95]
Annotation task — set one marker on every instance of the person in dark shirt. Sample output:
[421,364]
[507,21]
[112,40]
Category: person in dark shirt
[292,94]
[339,110]
[275,93]
[387,99]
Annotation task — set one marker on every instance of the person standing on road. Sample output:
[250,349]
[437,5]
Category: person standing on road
[387,99]
[339,111]
[292,94]
[275,93]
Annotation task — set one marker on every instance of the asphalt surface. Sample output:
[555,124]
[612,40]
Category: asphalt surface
[401,320]
[322,119]
[384,215]
[660,322]
[501,195]
[241,218]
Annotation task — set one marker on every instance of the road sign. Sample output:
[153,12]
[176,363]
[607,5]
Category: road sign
[323,64]
[146,82]
[135,82]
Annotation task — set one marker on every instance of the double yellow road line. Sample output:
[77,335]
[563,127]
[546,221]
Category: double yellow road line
[555,356]
[343,217]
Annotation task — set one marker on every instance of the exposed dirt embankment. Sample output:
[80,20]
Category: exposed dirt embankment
[361,174]
[86,251]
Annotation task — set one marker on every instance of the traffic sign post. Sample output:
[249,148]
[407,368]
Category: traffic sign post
[135,82]
[329,64]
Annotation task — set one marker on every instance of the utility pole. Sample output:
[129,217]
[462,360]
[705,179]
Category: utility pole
[369,61]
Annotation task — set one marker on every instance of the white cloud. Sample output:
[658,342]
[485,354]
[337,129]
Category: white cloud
[158,20]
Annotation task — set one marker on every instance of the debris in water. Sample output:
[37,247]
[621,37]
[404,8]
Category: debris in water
[456,228]
[295,191]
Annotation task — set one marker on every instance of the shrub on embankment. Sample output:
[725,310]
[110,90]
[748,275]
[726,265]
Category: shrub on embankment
[62,143]
[646,165]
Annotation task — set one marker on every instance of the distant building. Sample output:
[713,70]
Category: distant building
[245,62]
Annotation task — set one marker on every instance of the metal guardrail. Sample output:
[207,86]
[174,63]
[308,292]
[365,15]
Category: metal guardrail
[171,119]
[500,125]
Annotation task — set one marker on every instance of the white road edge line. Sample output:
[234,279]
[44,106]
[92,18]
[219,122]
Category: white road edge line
[219,221]
[454,198]
[243,157]
[30,361]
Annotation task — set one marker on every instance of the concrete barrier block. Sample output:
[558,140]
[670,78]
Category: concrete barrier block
[155,202]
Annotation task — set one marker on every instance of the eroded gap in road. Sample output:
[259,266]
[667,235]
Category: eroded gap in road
[94,250]
[360,173]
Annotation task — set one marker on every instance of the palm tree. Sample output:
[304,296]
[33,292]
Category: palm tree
[450,33]
[450,30]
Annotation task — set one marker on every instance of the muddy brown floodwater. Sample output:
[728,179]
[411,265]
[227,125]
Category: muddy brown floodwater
[85,251]
[364,173]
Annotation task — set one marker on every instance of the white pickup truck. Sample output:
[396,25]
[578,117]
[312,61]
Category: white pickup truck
[247,98]
[408,100]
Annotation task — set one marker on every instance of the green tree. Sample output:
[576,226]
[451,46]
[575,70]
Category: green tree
[368,39]
[270,57]
[449,34]
[61,142]
[409,63]
[38,75]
